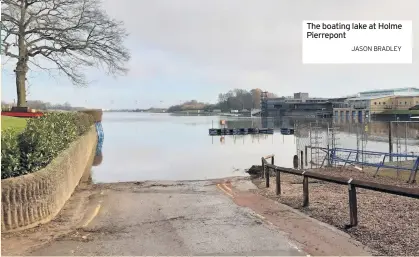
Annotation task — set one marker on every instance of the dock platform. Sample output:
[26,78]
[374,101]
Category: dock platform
[239,131]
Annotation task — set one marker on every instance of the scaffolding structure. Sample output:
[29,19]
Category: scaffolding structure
[263,104]
[405,135]
[361,143]
[333,142]
[390,146]
[315,143]
[301,135]
[398,146]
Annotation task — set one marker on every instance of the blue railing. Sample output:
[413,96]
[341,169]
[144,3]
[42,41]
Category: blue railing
[334,156]
[100,138]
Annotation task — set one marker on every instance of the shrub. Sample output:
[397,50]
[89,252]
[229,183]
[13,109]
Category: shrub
[95,113]
[41,141]
[84,122]
[10,154]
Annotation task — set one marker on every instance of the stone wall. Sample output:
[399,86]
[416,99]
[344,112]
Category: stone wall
[37,198]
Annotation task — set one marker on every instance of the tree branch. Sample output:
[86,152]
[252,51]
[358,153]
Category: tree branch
[71,34]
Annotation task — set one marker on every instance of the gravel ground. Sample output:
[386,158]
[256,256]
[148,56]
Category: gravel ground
[388,224]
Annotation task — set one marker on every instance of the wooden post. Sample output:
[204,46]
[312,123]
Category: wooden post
[353,206]
[302,160]
[278,182]
[413,180]
[390,141]
[263,167]
[273,160]
[267,176]
[305,191]
[295,162]
[328,155]
[305,155]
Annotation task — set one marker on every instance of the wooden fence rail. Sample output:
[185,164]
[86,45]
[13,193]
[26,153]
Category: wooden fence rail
[352,185]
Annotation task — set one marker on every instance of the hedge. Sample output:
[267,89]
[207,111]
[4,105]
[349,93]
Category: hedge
[40,142]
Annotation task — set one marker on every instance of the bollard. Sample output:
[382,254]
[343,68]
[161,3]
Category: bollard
[267,175]
[353,206]
[302,158]
[278,182]
[328,156]
[263,168]
[390,141]
[305,191]
[295,162]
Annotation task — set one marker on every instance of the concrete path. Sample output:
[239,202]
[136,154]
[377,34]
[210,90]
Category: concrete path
[223,217]
[195,218]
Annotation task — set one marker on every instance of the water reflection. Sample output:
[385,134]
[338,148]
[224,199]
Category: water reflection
[378,129]
[241,139]
[353,136]
[143,146]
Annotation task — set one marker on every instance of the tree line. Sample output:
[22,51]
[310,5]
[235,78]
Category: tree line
[43,106]
[236,99]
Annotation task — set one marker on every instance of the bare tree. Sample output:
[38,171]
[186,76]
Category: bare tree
[70,34]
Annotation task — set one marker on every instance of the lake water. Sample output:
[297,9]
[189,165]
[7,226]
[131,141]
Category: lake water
[145,146]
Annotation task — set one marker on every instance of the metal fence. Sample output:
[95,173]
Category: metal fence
[332,156]
[399,139]
[352,184]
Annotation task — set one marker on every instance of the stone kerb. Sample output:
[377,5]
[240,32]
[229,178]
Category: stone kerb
[37,198]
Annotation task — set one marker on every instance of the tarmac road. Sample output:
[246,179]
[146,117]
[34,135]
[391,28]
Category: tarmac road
[171,218]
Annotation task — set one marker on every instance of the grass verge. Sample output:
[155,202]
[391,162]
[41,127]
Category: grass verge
[12,122]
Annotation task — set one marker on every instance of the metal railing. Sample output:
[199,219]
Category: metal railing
[333,156]
[350,182]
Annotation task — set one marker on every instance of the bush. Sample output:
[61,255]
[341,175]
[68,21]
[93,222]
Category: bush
[10,154]
[41,141]
[84,122]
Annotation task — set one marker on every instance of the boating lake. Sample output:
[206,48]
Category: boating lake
[147,146]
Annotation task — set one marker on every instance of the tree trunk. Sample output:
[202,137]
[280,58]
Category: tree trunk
[21,70]
[22,64]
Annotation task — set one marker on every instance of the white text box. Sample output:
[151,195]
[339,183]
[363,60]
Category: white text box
[383,41]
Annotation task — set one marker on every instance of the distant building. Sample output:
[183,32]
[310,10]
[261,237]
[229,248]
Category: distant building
[361,106]
[299,105]
[234,111]
[377,101]
[406,91]
[302,96]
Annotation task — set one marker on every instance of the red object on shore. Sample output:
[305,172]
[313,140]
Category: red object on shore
[23,114]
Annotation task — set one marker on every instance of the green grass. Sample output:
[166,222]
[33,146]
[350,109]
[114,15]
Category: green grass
[12,122]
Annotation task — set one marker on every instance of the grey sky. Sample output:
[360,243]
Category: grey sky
[196,49]
[247,44]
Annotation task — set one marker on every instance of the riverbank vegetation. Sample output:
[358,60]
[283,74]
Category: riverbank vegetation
[28,150]
[42,106]
[237,99]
